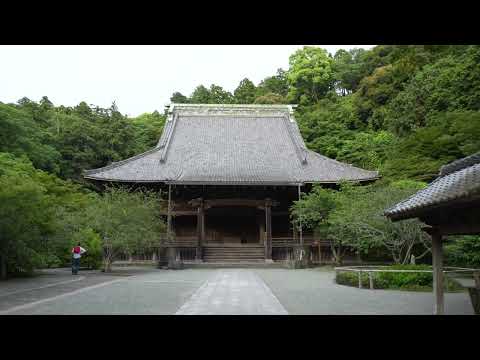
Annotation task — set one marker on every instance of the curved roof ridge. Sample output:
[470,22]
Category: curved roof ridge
[119,163]
[460,164]
[452,187]
[299,149]
[163,155]
[341,163]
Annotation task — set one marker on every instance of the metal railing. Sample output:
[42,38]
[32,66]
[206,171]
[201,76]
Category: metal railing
[382,268]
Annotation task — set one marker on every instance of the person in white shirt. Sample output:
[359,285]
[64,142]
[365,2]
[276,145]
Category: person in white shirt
[77,252]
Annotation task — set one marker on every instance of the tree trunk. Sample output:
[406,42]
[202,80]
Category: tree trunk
[107,265]
[337,254]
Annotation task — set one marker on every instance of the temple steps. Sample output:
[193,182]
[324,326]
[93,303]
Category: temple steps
[234,265]
[222,254]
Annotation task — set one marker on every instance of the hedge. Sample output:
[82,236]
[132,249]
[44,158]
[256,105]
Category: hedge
[391,280]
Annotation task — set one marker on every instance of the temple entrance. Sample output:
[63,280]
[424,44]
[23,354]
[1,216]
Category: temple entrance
[233,225]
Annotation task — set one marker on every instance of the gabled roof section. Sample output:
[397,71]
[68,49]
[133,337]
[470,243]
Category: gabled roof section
[458,182]
[230,144]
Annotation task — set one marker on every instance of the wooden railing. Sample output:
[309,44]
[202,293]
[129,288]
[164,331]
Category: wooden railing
[290,241]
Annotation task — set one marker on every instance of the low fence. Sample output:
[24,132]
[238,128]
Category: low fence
[379,268]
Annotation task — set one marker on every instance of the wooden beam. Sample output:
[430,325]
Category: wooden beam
[437,257]
[184,213]
[230,202]
[462,229]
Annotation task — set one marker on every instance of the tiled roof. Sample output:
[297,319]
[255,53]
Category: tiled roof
[458,181]
[230,144]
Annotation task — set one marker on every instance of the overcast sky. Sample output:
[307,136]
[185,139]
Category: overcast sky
[138,78]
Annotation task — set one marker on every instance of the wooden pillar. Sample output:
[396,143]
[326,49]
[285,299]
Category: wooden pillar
[268,229]
[437,257]
[319,253]
[475,293]
[169,213]
[300,224]
[200,230]
[262,231]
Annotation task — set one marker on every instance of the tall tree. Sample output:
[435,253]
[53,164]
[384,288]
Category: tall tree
[310,75]
[276,84]
[201,95]
[178,98]
[245,92]
[220,96]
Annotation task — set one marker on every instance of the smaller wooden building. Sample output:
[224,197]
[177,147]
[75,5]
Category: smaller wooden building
[450,205]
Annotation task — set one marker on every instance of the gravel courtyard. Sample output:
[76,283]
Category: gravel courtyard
[210,291]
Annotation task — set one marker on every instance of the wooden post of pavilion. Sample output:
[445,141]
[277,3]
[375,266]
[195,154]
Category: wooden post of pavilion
[268,226]
[437,260]
[300,230]
[200,230]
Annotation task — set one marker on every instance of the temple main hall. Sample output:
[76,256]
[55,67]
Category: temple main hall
[231,173]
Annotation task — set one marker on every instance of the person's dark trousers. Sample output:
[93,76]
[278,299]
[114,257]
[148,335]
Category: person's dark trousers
[75,266]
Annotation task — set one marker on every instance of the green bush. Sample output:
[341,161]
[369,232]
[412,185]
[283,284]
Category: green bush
[50,261]
[390,280]
[404,280]
[463,251]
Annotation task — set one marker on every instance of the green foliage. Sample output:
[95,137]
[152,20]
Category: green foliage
[245,92]
[310,75]
[463,251]
[353,217]
[31,201]
[348,69]
[270,98]
[276,84]
[22,133]
[450,84]
[215,95]
[148,128]
[327,126]
[420,155]
[179,98]
[66,141]
[313,209]
[367,150]
[125,220]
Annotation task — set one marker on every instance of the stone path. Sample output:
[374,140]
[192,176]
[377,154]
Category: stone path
[152,291]
[233,292]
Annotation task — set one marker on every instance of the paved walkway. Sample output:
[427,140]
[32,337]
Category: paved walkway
[210,291]
[233,292]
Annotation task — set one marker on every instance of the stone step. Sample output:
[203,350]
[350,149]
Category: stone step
[233,254]
[234,265]
[229,254]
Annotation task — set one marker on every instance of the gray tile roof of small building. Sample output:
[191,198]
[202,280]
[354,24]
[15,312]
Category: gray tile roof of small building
[230,144]
[457,181]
